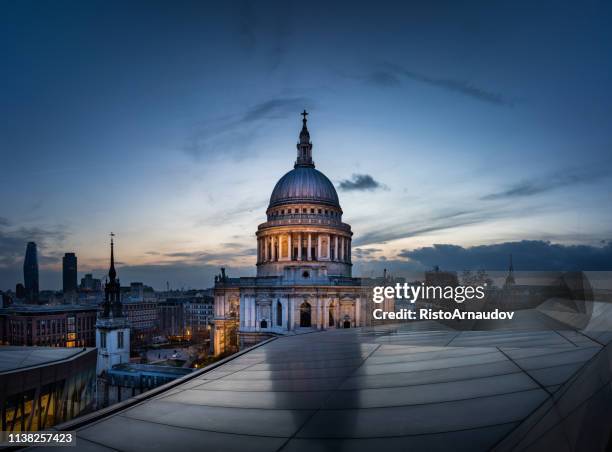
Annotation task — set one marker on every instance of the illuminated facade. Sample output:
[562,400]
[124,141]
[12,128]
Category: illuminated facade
[56,385]
[51,326]
[304,280]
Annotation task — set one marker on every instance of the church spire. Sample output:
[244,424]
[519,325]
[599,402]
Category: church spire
[304,147]
[112,273]
[112,290]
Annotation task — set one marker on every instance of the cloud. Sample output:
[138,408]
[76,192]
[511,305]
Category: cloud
[205,257]
[529,255]
[383,78]
[443,220]
[360,182]
[239,129]
[364,253]
[391,75]
[13,243]
[549,182]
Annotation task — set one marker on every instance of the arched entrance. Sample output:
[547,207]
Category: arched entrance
[347,322]
[305,315]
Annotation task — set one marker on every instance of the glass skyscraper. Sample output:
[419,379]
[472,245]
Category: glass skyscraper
[30,273]
[69,273]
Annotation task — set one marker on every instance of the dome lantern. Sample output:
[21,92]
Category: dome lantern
[304,147]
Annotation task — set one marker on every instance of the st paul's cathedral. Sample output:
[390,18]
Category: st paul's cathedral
[304,280]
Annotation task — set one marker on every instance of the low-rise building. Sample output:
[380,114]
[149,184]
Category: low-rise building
[53,326]
[199,315]
[171,313]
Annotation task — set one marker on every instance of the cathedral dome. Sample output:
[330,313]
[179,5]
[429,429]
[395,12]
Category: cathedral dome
[304,184]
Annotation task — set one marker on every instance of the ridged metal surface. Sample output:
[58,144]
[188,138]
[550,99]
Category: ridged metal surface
[304,184]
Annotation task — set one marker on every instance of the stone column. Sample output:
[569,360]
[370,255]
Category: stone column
[342,249]
[318,247]
[254,312]
[289,247]
[322,315]
[272,245]
[299,255]
[272,319]
[357,311]
[336,254]
[242,313]
[349,250]
[308,251]
[259,250]
[328,247]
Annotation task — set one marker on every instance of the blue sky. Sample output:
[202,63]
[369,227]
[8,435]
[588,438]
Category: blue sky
[169,123]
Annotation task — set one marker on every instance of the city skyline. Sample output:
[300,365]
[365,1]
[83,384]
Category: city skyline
[484,130]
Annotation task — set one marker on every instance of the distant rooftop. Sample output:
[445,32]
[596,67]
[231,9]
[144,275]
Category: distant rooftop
[44,309]
[16,357]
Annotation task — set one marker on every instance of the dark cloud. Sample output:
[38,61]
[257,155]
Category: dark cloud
[442,220]
[232,245]
[529,255]
[233,214]
[364,253]
[205,257]
[229,131]
[548,182]
[391,75]
[383,78]
[13,243]
[360,182]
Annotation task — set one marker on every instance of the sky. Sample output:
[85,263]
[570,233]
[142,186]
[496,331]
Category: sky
[456,133]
